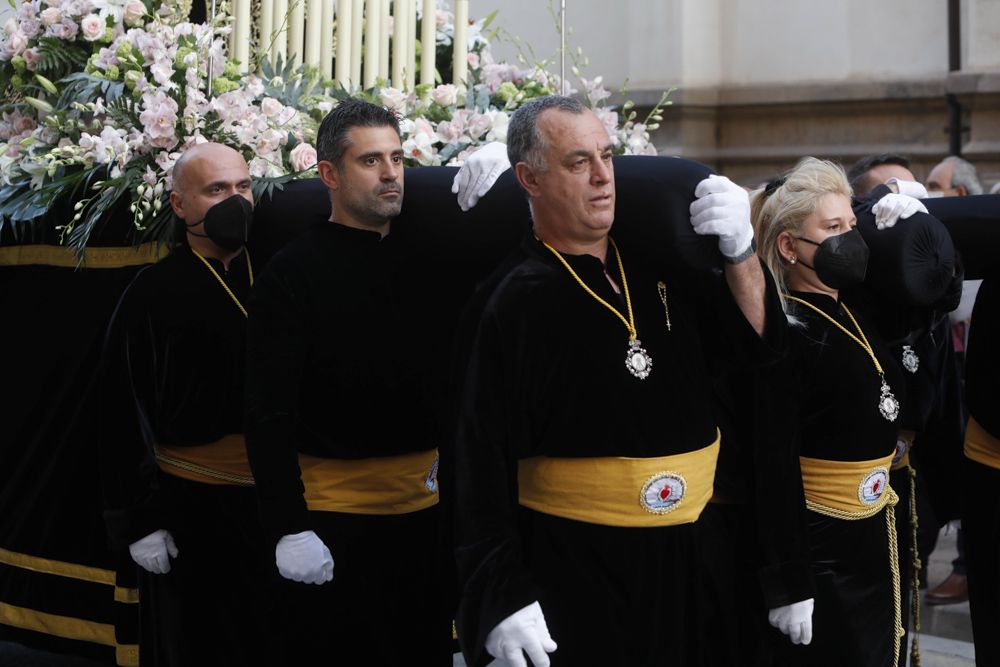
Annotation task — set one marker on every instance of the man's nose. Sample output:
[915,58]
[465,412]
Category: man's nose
[391,171]
[601,171]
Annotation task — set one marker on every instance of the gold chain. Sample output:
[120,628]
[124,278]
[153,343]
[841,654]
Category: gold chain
[223,282]
[630,322]
[863,342]
[915,565]
[661,289]
[890,523]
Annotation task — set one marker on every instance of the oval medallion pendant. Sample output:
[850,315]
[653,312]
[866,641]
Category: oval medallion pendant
[637,360]
[888,405]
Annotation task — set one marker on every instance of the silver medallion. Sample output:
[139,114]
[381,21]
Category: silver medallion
[911,361]
[637,360]
[887,403]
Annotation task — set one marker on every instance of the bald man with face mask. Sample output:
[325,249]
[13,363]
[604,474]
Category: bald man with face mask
[178,490]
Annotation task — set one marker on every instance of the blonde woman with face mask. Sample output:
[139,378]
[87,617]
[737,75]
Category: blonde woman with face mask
[841,392]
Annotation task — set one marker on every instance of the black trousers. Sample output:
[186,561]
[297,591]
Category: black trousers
[216,605]
[387,603]
[981,527]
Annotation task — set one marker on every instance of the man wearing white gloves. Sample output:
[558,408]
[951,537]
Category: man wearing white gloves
[587,442]
[341,429]
[176,479]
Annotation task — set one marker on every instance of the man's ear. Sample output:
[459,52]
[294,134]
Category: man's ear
[329,174]
[961,190]
[528,178]
[177,203]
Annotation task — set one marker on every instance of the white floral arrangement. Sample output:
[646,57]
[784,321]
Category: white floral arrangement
[101,97]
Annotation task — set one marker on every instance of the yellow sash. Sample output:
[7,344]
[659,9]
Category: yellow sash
[904,442]
[620,491]
[383,485]
[221,462]
[981,446]
[854,487]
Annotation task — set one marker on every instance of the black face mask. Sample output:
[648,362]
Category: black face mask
[227,224]
[841,261]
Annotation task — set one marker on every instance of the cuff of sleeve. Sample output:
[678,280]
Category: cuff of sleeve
[785,583]
[750,251]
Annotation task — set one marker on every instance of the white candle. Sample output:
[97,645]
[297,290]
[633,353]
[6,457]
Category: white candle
[242,32]
[373,32]
[280,44]
[344,24]
[400,51]
[411,44]
[326,40]
[314,26]
[460,59]
[296,41]
[383,43]
[428,41]
[266,27]
[357,30]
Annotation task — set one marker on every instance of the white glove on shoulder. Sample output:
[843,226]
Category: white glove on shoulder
[480,171]
[522,632]
[794,620]
[722,209]
[303,557]
[908,188]
[152,553]
[893,207]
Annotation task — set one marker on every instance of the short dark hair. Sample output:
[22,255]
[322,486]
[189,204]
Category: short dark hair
[331,138]
[857,175]
[524,142]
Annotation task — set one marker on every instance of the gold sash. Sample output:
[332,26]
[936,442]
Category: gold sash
[383,485]
[221,462]
[620,491]
[981,446]
[854,487]
[905,442]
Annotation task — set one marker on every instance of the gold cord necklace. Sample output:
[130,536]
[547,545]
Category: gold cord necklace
[637,360]
[223,282]
[888,405]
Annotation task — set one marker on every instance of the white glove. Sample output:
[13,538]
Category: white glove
[151,552]
[794,620]
[522,632]
[722,209]
[908,188]
[480,171]
[892,207]
[303,557]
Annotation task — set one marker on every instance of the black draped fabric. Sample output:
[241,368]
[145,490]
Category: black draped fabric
[981,516]
[831,384]
[348,349]
[546,376]
[973,222]
[173,375]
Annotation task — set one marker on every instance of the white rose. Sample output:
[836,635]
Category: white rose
[393,98]
[446,95]
[302,157]
[92,26]
[134,12]
[51,15]
[271,107]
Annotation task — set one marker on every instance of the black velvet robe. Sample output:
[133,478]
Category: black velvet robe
[348,348]
[830,383]
[173,374]
[546,376]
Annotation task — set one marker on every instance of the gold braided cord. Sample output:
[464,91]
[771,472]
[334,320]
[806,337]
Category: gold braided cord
[889,500]
[231,478]
[223,282]
[915,565]
[865,344]
[630,322]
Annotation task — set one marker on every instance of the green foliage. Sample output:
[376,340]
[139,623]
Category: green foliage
[57,58]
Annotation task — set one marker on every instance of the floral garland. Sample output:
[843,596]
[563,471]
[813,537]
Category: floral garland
[101,97]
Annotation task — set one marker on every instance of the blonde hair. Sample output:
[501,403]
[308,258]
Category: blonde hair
[785,204]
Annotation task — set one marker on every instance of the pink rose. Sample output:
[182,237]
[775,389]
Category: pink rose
[446,95]
[393,98]
[271,107]
[51,16]
[302,157]
[134,12]
[92,26]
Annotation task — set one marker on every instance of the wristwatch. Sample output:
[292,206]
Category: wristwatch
[743,256]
